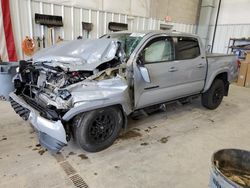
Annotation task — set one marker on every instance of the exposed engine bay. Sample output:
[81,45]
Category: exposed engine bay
[51,84]
[43,77]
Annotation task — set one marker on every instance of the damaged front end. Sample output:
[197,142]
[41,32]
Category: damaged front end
[65,80]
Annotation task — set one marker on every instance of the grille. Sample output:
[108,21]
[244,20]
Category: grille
[21,111]
[78,181]
[68,169]
[71,172]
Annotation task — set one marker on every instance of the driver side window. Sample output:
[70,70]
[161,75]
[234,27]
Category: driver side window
[159,50]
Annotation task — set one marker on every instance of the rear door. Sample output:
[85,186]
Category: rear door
[191,66]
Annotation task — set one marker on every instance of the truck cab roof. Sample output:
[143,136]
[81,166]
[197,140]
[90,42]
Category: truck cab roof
[154,32]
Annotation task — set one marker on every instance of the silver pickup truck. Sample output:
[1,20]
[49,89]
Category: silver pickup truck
[86,89]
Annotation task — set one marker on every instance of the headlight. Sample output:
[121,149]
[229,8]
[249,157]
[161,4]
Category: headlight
[17,70]
[64,94]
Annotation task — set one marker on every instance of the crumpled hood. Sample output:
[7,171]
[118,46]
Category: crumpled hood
[79,54]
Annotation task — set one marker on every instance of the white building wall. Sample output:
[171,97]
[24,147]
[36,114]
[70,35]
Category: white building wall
[23,13]
[233,22]
[183,11]
[234,12]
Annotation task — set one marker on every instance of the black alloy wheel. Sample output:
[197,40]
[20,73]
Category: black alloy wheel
[101,128]
[97,129]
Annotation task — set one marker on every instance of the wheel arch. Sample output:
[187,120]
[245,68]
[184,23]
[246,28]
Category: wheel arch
[124,116]
[71,114]
[222,75]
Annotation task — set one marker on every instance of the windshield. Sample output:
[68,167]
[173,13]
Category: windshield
[129,41]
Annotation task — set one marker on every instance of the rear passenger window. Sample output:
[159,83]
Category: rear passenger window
[187,48]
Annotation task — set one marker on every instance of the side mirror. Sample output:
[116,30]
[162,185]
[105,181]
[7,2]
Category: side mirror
[145,74]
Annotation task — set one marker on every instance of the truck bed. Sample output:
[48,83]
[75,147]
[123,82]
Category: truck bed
[221,62]
[214,55]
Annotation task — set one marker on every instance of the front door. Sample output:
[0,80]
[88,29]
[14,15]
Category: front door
[176,70]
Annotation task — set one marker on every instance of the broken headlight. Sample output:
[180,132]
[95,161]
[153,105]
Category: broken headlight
[64,94]
[17,70]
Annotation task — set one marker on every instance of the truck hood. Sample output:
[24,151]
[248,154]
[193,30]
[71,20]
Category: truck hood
[80,54]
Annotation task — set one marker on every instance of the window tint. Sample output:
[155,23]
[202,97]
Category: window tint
[158,50]
[187,48]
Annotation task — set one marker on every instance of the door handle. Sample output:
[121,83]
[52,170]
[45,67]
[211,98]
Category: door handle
[172,69]
[200,65]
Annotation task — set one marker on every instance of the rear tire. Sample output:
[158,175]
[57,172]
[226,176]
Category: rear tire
[212,98]
[98,129]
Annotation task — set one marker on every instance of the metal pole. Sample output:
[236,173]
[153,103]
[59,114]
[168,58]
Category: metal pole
[215,26]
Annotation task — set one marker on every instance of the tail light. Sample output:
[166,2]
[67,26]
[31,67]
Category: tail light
[238,63]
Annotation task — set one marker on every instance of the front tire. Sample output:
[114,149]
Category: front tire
[96,130]
[212,98]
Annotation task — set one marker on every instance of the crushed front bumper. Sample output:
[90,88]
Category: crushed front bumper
[51,134]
